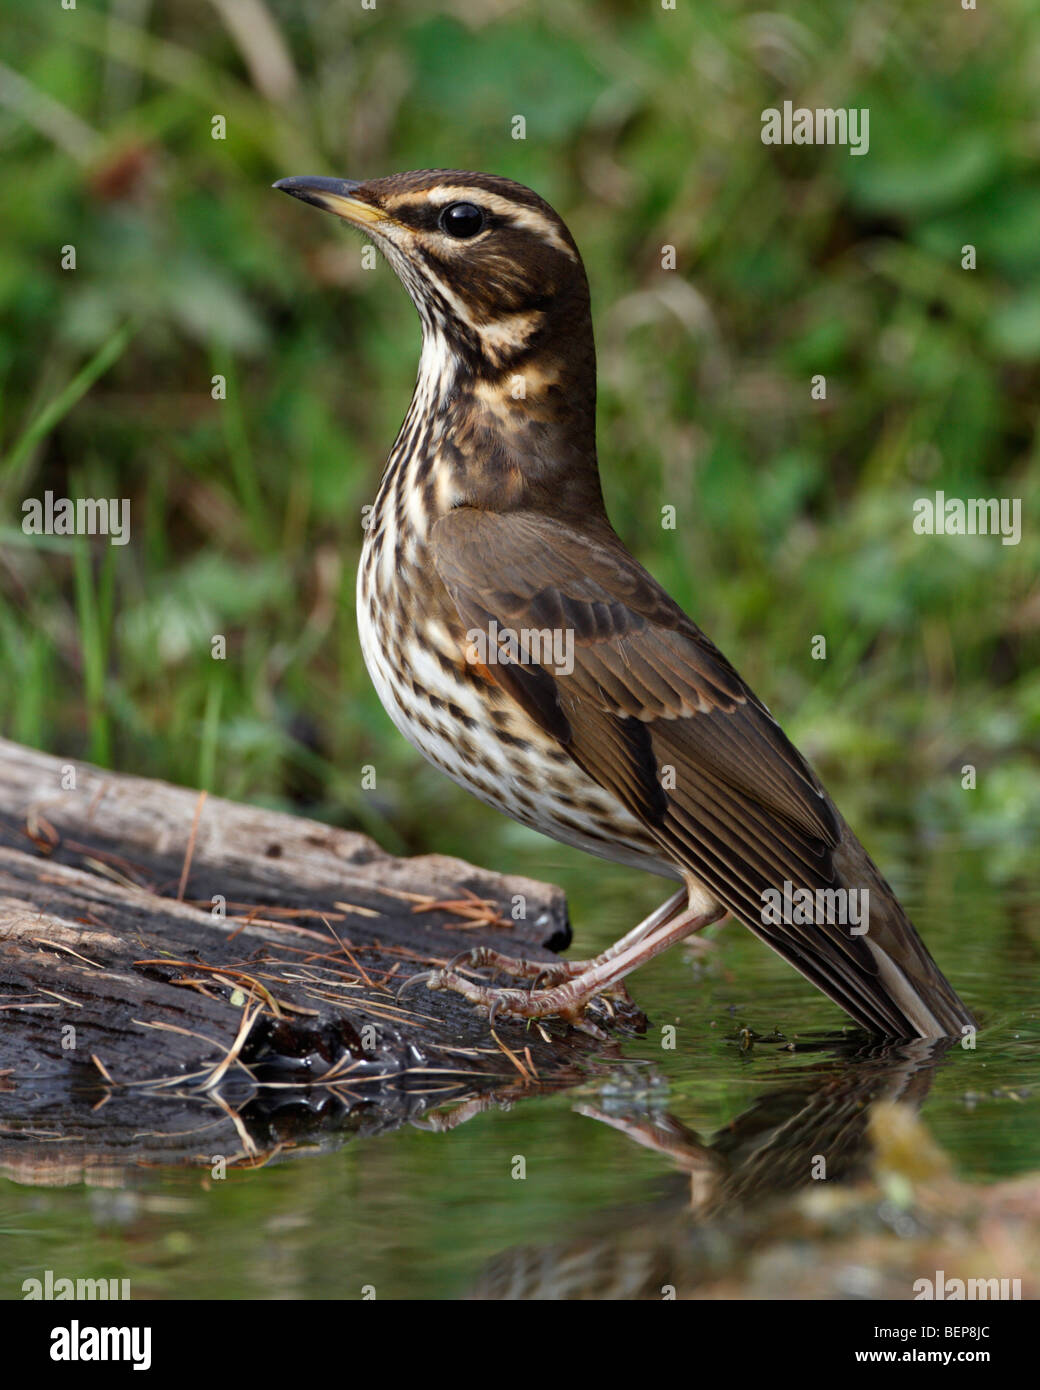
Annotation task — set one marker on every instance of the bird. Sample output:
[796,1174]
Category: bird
[519,646]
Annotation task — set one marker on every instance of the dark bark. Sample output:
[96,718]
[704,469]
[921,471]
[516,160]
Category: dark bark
[321,928]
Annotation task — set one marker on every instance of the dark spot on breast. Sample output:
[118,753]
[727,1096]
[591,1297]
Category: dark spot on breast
[466,720]
[512,739]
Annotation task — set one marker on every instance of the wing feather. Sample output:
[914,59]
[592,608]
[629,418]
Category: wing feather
[647,692]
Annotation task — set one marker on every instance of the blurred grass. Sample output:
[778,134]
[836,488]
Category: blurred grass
[793,515]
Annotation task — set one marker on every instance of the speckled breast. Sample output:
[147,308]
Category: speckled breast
[414,648]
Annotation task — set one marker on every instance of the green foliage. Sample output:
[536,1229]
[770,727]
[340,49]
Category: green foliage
[793,515]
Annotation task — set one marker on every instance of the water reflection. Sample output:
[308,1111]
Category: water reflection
[814,1130]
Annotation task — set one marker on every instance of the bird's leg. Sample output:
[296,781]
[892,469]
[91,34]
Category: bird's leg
[570,998]
[567,969]
[660,916]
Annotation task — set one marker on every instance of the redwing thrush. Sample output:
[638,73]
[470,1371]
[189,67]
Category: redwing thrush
[515,641]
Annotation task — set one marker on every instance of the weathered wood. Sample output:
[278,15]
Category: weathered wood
[124,992]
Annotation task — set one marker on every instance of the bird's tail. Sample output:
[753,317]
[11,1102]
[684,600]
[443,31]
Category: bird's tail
[884,976]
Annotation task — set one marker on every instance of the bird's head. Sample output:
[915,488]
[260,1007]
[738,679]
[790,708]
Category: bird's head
[490,266]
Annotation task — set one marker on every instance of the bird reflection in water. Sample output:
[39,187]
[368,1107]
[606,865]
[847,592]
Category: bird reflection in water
[728,1191]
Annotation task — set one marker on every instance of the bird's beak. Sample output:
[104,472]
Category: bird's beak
[334,195]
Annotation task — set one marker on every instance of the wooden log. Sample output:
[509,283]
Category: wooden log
[222,979]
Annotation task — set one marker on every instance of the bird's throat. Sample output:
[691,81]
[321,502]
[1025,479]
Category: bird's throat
[518,437]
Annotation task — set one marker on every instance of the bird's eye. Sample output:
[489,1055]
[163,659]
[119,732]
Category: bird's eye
[462,220]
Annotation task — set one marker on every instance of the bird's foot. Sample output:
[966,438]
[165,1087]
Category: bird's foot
[554,972]
[542,973]
[576,984]
[562,1000]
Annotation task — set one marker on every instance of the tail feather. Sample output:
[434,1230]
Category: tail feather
[890,984]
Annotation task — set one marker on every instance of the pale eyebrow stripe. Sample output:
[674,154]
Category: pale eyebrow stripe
[522,215]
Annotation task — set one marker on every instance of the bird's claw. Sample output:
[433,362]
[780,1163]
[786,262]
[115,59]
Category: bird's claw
[518,1004]
[558,1000]
[420,977]
[554,971]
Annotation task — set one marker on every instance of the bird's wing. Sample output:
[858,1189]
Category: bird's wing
[654,712]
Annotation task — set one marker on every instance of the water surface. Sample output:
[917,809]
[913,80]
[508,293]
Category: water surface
[585,1191]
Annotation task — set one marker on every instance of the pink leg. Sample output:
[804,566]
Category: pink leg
[558,971]
[570,998]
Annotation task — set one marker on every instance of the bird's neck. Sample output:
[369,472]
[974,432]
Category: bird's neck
[516,435]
